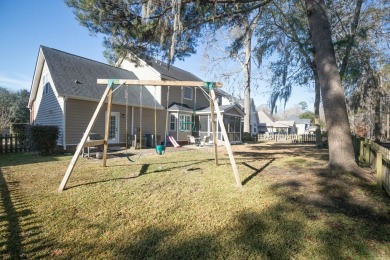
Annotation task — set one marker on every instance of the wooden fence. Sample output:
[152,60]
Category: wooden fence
[12,144]
[375,156]
[287,138]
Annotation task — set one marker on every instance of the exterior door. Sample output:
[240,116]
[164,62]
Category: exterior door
[113,132]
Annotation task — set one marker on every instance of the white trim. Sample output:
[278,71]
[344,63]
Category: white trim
[117,127]
[170,122]
[132,121]
[64,124]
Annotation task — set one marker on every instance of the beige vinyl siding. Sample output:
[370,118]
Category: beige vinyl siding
[48,109]
[148,121]
[201,100]
[175,96]
[79,114]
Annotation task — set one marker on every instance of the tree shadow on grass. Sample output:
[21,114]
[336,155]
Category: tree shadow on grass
[14,159]
[151,243]
[272,234]
[352,209]
[22,232]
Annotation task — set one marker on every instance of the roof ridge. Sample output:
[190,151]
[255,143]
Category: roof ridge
[78,56]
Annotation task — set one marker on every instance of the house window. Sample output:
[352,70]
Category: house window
[172,123]
[45,84]
[187,94]
[185,123]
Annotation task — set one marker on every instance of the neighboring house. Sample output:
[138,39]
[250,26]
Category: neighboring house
[301,124]
[65,93]
[272,126]
[266,121]
[254,117]
[285,126]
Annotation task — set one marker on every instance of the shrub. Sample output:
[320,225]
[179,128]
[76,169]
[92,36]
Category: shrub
[246,137]
[44,138]
[22,131]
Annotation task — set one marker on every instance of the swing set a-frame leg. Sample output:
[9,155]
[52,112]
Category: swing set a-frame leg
[84,138]
[226,138]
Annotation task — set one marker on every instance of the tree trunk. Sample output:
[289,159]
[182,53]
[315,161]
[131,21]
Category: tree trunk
[377,115]
[247,78]
[249,27]
[341,153]
[317,102]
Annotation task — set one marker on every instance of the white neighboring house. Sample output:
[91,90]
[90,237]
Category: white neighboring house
[285,126]
[301,124]
[281,126]
[266,122]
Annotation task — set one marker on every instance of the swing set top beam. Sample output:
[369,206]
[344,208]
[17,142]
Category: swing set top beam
[173,83]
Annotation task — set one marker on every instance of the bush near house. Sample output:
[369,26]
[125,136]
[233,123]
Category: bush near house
[246,137]
[43,138]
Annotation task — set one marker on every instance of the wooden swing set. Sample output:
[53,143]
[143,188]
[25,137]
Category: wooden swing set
[108,93]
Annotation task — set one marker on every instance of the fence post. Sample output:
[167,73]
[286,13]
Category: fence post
[11,146]
[361,152]
[379,177]
[367,154]
[6,143]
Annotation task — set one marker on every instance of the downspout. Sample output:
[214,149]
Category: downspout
[64,125]
[132,122]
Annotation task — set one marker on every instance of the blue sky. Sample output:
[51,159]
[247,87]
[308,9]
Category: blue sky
[27,24]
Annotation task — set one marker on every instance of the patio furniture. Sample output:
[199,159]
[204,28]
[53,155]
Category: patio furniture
[205,140]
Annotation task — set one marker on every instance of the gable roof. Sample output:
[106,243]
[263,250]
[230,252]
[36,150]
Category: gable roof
[265,118]
[223,108]
[76,77]
[179,107]
[171,72]
[298,120]
[284,123]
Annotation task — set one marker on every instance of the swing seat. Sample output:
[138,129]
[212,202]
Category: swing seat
[160,149]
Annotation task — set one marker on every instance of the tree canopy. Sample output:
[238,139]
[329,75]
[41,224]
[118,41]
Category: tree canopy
[320,41]
[13,107]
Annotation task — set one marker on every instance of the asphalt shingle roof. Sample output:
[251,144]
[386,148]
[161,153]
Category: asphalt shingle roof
[299,120]
[172,72]
[179,107]
[76,77]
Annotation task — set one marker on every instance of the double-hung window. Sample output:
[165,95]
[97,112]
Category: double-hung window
[185,123]
[172,123]
[45,84]
[187,93]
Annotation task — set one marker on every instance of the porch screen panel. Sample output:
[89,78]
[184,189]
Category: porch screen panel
[231,124]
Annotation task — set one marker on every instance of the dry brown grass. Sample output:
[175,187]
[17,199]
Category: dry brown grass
[180,205]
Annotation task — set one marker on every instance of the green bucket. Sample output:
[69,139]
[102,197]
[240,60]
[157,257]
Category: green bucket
[160,149]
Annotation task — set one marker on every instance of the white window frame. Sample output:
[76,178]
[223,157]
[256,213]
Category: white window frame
[172,122]
[190,91]
[185,125]
[45,85]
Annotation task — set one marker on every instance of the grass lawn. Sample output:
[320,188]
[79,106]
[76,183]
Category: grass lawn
[181,206]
